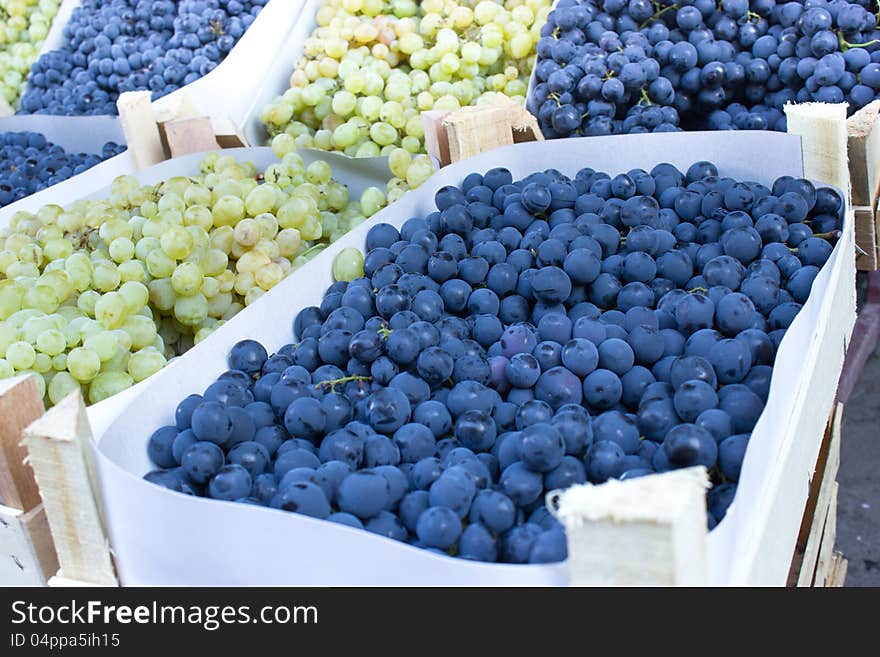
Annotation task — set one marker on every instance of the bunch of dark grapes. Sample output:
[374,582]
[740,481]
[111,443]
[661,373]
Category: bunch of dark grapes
[618,66]
[113,46]
[29,163]
[525,337]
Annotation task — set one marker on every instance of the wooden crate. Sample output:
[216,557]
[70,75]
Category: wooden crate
[60,445]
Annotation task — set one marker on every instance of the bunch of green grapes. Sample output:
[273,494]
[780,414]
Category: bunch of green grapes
[371,67]
[24,25]
[102,293]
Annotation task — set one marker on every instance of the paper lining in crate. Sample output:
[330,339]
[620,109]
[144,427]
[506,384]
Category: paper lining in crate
[162,537]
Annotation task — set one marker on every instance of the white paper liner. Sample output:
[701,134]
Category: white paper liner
[161,537]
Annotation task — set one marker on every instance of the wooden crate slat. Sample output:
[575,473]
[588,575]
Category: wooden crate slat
[27,554]
[810,537]
[866,239]
[140,128]
[60,448]
[837,572]
[826,547]
[20,404]
[863,144]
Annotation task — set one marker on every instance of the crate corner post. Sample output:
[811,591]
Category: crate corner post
[61,452]
[649,531]
[27,554]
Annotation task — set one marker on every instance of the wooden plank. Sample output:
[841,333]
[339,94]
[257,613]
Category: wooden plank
[863,143]
[436,139]
[866,238]
[228,135]
[475,130]
[27,556]
[822,129]
[61,451]
[140,128]
[837,572]
[36,525]
[193,135]
[18,562]
[817,508]
[524,124]
[20,404]
[809,517]
[829,534]
[649,531]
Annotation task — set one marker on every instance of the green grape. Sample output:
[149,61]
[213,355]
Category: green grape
[261,199]
[11,298]
[399,161]
[42,363]
[103,343]
[136,296]
[192,310]
[83,364]
[41,297]
[110,310]
[145,363]
[61,385]
[105,276]
[162,294]
[372,200]
[20,355]
[269,276]
[228,210]
[8,335]
[51,342]
[186,279]
[176,242]
[348,265]
[107,384]
[59,362]
[6,370]
[159,265]
[86,302]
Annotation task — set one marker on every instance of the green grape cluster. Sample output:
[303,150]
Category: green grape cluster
[101,293]
[24,25]
[372,66]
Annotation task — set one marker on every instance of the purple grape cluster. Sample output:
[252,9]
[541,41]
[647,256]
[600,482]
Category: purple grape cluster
[525,337]
[115,46]
[29,163]
[629,66]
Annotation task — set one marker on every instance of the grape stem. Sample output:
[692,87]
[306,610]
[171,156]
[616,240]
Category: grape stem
[846,45]
[308,251]
[698,289]
[645,97]
[384,331]
[344,379]
[830,235]
[658,14]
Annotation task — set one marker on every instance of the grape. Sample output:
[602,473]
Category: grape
[352,93]
[418,374]
[24,26]
[102,55]
[180,281]
[671,67]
